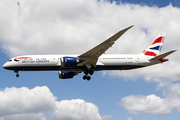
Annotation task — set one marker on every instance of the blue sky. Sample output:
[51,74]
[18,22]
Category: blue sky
[150,2]
[64,27]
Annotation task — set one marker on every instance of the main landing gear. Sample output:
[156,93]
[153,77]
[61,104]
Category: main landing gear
[16,71]
[86,76]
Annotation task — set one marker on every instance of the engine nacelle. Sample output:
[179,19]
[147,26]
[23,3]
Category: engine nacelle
[66,75]
[69,62]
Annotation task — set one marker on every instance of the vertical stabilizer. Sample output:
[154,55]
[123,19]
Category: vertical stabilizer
[154,48]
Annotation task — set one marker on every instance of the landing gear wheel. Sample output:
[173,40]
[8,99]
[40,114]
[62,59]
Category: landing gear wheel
[88,78]
[17,75]
[86,74]
[84,77]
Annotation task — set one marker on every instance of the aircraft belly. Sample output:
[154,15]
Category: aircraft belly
[74,69]
[118,67]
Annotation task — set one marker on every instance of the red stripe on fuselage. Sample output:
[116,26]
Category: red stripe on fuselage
[23,57]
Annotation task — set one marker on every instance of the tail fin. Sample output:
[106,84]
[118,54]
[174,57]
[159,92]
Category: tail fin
[154,48]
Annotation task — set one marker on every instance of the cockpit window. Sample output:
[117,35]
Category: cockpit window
[9,60]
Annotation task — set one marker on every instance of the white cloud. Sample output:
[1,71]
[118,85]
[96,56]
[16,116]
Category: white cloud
[31,104]
[75,110]
[152,104]
[29,116]
[107,117]
[172,94]
[44,24]
[129,118]
[161,73]
[23,100]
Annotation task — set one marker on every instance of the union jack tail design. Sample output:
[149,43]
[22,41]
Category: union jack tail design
[154,48]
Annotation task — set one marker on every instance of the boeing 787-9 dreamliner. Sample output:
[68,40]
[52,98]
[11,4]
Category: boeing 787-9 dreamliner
[93,60]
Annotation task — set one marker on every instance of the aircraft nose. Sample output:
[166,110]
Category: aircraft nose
[5,66]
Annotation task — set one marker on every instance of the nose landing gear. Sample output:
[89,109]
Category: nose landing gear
[16,71]
[17,75]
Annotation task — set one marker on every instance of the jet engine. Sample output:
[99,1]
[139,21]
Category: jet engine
[69,62]
[66,75]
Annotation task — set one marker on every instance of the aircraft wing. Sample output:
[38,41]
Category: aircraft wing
[90,57]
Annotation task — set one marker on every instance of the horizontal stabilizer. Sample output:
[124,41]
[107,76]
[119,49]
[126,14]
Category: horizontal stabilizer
[163,55]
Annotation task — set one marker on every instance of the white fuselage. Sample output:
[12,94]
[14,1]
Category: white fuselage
[53,62]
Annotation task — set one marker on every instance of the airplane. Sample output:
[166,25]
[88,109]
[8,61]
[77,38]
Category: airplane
[93,60]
